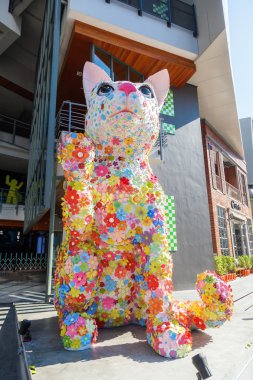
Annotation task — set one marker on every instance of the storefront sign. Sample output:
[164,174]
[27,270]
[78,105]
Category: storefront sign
[235,205]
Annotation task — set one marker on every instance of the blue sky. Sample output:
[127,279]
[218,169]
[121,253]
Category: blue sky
[240,14]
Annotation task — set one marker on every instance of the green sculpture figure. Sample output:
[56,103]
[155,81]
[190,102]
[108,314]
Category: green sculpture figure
[12,196]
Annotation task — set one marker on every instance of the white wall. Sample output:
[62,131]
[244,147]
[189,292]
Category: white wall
[10,26]
[247,139]
[10,212]
[210,20]
[124,20]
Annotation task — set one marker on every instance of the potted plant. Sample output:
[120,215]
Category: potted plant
[247,262]
[219,267]
[240,266]
[231,268]
[251,260]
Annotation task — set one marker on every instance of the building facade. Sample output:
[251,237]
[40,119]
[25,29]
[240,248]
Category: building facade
[228,198]
[130,40]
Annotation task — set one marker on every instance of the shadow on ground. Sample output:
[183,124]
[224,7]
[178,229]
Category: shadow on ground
[126,341]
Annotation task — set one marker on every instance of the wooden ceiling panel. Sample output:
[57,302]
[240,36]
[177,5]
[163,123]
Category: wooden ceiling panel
[143,58]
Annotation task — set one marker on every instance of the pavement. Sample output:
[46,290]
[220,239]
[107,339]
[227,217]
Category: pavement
[123,353]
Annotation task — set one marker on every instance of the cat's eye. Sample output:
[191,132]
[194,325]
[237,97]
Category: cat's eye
[146,91]
[105,89]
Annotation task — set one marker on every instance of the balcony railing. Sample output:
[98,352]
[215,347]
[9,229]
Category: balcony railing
[70,118]
[14,131]
[173,11]
[233,192]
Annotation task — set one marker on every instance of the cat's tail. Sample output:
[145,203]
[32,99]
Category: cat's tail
[215,307]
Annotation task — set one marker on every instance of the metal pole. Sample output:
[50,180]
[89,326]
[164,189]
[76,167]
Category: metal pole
[51,238]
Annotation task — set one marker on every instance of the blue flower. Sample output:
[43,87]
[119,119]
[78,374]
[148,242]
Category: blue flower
[92,309]
[86,339]
[173,335]
[128,173]
[84,257]
[121,214]
[150,213]
[76,269]
[110,284]
[139,277]
[72,318]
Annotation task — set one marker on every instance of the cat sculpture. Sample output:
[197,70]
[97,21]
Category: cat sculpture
[114,267]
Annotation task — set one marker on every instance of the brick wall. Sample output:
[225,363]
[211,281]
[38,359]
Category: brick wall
[215,196]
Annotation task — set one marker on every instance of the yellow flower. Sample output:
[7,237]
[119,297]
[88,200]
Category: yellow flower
[129,151]
[141,212]
[78,185]
[146,221]
[128,207]
[110,208]
[96,196]
[63,330]
[128,141]
[114,313]
[74,292]
[108,271]
[127,313]
[75,343]
[147,250]
[113,180]
[107,197]
[91,274]
[158,237]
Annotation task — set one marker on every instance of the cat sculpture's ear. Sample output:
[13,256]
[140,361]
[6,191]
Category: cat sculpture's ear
[161,84]
[92,74]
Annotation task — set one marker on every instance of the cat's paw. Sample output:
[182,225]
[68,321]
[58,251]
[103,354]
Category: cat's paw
[169,339]
[78,331]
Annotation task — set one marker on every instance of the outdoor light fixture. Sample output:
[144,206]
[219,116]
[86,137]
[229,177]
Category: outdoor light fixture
[200,362]
[24,330]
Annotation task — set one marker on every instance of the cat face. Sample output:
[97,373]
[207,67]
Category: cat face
[123,115]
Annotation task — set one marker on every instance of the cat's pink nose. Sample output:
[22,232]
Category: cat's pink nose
[127,88]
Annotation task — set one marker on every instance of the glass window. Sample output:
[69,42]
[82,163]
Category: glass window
[222,224]
[119,71]
[103,60]
[250,235]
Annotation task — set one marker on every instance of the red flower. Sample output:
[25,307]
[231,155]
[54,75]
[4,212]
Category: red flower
[124,181]
[199,323]
[120,272]
[75,209]
[71,196]
[111,220]
[153,282]
[80,154]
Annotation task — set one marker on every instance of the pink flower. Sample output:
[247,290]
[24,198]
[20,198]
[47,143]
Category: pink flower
[115,141]
[108,303]
[79,279]
[71,331]
[101,170]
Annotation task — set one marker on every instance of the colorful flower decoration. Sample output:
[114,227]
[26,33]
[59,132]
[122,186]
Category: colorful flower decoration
[114,266]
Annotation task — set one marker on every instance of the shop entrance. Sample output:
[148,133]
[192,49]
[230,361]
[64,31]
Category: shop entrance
[239,238]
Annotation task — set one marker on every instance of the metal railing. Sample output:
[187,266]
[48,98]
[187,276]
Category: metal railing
[70,118]
[22,261]
[12,130]
[233,192]
[173,11]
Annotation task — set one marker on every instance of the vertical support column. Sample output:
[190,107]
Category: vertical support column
[51,238]
[169,14]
